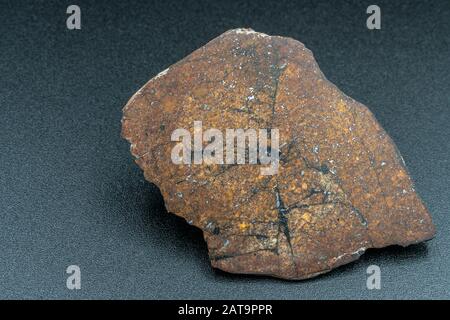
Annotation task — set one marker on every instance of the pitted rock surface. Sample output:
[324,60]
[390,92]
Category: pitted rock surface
[341,187]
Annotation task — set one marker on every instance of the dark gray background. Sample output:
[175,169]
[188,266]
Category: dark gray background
[71,194]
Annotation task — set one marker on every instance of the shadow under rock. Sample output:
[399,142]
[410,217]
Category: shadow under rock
[392,255]
[183,238]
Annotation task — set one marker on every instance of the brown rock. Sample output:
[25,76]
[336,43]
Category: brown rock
[341,187]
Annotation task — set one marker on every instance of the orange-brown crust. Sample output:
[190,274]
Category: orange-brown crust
[341,188]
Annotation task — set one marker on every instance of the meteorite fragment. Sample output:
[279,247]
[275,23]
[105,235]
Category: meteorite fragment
[339,185]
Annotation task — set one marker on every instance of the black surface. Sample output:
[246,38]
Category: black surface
[71,194]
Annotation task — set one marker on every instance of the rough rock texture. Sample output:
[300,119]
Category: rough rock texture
[342,186]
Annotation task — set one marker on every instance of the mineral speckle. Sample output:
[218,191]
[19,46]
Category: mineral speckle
[341,187]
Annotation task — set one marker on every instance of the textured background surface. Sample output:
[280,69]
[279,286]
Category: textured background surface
[71,194]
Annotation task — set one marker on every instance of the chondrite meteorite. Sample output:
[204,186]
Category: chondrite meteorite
[340,187]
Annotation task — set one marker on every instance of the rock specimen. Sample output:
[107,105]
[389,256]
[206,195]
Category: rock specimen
[341,185]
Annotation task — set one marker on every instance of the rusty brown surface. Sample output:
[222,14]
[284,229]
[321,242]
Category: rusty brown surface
[341,188]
